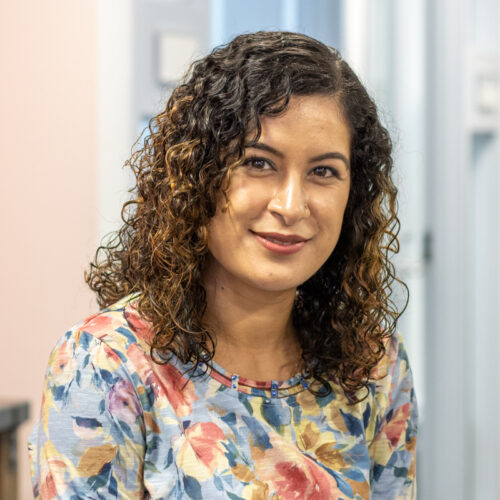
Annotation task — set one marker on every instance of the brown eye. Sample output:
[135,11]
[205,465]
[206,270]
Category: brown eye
[257,163]
[325,172]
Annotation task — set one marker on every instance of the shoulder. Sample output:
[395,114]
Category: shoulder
[95,409]
[393,370]
[113,342]
[113,347]
[118,328]
[394,356]
[392,393]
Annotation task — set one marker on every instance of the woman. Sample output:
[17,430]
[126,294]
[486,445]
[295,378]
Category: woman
[246,347]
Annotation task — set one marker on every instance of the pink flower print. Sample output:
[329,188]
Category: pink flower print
[304,480]
[97,325]
[169,386]
[395,428]
[52,473]
[62,364]
[140,326]
[169,382]
[201,452]
[123,403]
[294,476]
[140,360]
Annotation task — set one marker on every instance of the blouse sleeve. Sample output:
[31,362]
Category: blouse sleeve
[392,451]
[88,442]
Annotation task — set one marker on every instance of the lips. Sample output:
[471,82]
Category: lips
[285,239]
[280,243]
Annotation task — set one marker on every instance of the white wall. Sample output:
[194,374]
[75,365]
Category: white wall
[461,434]
[116,124]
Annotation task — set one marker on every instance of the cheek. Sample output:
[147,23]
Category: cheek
[331,211]
[331,216]
[232,217]
[218,232]
[247,202]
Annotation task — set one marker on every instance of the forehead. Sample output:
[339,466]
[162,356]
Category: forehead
[315,120]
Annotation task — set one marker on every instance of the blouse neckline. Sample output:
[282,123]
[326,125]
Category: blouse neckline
[269,389]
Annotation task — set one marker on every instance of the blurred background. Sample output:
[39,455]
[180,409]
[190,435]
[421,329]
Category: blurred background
[79,81]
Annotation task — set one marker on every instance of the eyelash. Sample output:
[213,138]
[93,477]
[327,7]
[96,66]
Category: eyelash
[331,170]
[248,162]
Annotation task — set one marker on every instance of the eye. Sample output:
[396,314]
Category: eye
[325,172]
[258,164]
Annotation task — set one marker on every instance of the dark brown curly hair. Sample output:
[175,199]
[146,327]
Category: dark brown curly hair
[342,314]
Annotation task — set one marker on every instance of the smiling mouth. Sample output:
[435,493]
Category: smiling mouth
[281,239]
[281,243]
[284,243]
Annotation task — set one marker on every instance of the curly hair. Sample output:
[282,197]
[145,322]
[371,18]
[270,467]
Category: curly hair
[342,314]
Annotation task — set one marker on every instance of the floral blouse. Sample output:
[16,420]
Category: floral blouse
[115,424]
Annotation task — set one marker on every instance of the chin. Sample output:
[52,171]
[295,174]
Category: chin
[276,284]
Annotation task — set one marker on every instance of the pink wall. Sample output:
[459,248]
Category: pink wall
[48,152]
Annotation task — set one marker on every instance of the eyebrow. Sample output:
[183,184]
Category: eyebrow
[334,155]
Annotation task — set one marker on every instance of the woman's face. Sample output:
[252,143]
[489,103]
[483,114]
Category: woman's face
[287,201]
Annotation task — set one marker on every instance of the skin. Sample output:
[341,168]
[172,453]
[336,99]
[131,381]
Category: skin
[284,188]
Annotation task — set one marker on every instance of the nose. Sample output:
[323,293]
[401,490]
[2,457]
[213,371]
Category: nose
[289,201]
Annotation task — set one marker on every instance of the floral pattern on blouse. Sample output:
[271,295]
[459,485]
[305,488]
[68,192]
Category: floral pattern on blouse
[115,424]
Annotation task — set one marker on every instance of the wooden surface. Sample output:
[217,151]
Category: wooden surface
[12,414]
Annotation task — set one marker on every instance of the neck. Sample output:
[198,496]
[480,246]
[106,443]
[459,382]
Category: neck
[253,329]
